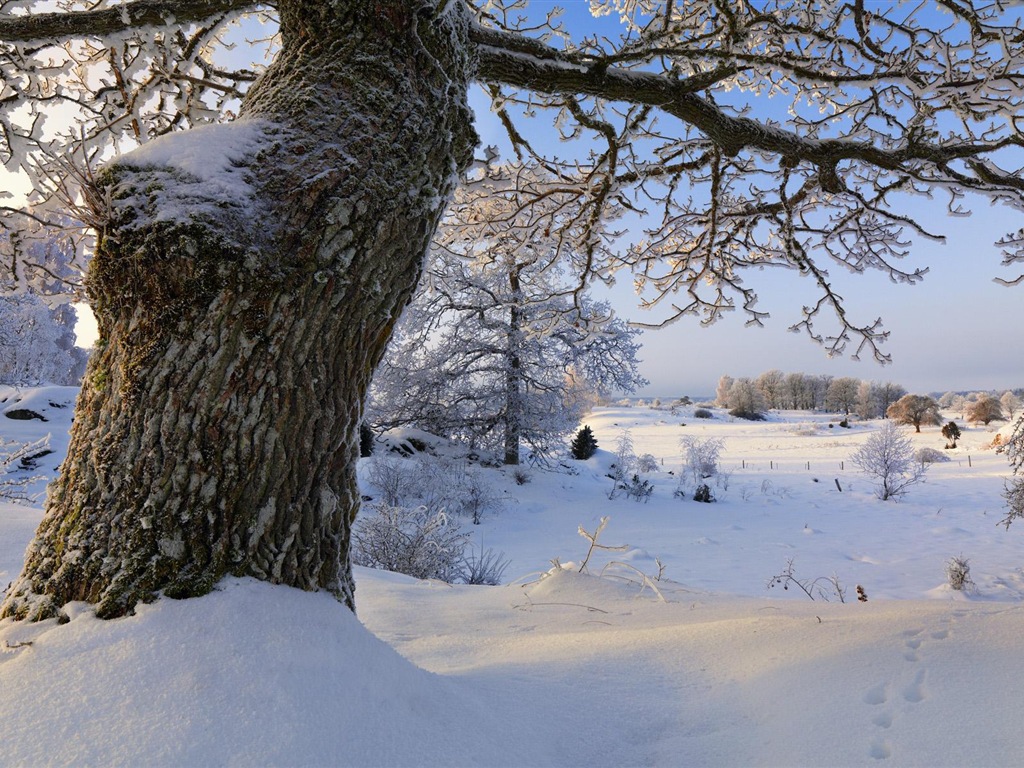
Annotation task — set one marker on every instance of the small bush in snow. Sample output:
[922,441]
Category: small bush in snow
[436,483]
[410,540]
[703,493]
[703,413]
[888,458]
[929,456]
[486,568]
[700,457]
[393,480]
[638,489]
[584,445]
[521,476]
[958,573]
[647,463]
[623,465]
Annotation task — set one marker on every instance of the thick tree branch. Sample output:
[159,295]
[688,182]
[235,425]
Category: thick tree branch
[56,26]
[504,58]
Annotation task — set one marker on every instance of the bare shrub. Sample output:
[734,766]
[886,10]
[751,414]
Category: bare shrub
[410,540]
[929,456]
[825,587]
[486,568]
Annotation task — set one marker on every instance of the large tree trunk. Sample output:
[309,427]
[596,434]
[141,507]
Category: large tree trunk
[217,430]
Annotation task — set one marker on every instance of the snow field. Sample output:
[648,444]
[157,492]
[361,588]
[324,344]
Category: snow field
[562,668]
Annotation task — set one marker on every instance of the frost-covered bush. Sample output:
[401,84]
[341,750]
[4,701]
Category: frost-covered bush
[638,489]
[958,574]
[700,457]
[487,568]
[929,456]
[888,458]
[393,479]
[435,483]
[647,463]
[410,540]
[623,464]
[703,493]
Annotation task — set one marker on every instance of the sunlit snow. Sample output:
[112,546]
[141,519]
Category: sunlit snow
[562,668]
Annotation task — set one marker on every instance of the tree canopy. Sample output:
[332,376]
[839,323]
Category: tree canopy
[752,134]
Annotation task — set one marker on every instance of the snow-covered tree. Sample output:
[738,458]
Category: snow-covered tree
[745,400]
[888,458]
[247,275]
[867,401]
[1010,403]
[772,385]
[37,342]
[37,324]
[916,410]
[725,383]
[494,349]
[985,409]
[886,394]
[841,395]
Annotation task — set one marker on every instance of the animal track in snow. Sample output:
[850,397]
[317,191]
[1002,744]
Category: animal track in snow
[915,692]
[877,695]
[880,749]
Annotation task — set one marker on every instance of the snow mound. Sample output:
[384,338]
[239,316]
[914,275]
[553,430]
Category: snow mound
[252,674]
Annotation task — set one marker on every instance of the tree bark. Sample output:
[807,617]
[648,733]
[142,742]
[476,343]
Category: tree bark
[514,370]
[217,429]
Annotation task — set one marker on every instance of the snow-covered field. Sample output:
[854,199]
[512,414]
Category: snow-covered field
[704,667]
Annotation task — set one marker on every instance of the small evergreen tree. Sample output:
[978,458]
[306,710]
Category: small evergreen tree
[584,445]
[365,440]
[952,433]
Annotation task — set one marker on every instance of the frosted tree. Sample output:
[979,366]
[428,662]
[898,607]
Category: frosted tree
[772,385]
[888,458]
[841,395]
[725,383]
[37,323]
[1010,403]
[867,403]
[252,255]
[886,394]
[494,349]
[916,410]
[745,400]
[37,342]
[985,409]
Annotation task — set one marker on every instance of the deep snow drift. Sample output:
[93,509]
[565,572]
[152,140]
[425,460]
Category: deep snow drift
[705,667]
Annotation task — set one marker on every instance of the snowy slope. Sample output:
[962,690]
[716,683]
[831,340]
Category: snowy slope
[708,667]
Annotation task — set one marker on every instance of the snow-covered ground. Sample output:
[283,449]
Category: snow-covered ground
[704,667]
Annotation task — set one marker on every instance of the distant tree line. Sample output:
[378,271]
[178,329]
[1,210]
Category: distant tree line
[751,397]
[775,389]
